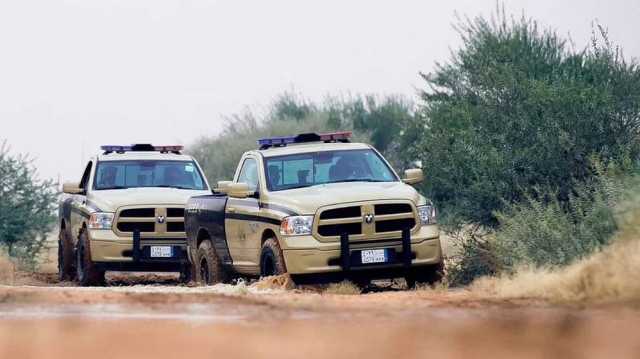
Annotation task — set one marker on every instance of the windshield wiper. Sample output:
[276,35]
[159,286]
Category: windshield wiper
[114,187]
[359,180]
[172,186]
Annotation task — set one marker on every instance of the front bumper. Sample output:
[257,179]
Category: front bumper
[413,249]
[132,253]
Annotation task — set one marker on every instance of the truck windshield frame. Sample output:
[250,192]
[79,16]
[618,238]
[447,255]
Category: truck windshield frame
[308,169]
[123,174]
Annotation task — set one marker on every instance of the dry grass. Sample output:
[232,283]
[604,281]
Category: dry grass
[343,288]
[612,274]
[275,282]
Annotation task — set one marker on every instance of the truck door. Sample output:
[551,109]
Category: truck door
[78,204]
[241,222]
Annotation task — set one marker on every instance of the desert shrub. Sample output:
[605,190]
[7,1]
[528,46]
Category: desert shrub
[607,274]
[517,108]
[475,256]
[545,231]
[27,207]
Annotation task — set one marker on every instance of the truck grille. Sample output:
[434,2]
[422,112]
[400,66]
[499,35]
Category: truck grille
[150,221]
[388,219]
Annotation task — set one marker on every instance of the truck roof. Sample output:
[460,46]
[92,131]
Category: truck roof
[143,155]
[311,147]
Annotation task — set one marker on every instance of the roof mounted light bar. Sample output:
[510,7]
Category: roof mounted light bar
[342,136]
[142,147]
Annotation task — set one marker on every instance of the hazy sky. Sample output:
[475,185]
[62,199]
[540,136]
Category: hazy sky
[79,73]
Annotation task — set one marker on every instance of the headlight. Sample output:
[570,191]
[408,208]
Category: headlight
[100,220]
[427,214]
[296,225]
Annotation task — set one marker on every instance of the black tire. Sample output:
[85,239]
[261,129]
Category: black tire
[208,267]
[65,256]
[186,274]
[271,259]
[429,274]
[87,273]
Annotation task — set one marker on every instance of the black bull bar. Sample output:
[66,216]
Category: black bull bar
[345,251]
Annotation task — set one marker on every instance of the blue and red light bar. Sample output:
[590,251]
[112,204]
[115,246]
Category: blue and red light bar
[341,136]
[142,147]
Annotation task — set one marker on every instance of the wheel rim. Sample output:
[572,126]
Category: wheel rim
[204,272]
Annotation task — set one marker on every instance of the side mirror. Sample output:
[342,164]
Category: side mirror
[239,190]
[223,186]
[413,176]
[72,188]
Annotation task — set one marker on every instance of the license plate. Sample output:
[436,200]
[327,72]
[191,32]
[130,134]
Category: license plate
[161,251]
[373,256]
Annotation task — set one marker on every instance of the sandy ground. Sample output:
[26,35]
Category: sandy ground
[58,320]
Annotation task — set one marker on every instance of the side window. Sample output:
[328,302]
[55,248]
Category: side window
[249,174]
[84,182]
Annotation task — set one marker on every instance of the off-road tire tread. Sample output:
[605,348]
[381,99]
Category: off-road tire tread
[65,256]
[430,274]
[92,275]
[271,245]
[216,272]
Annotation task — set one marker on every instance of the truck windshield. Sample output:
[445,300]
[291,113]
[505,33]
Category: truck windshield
[309,169]
[145,173]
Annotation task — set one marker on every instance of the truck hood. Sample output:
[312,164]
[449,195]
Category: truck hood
[308,200]
[111,200]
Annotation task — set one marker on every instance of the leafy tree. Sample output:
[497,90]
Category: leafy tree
[515,108]
[27,206]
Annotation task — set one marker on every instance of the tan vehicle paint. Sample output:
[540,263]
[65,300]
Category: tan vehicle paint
[252,217]
[113,248]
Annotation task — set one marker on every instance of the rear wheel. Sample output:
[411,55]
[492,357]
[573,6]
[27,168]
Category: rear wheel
[271,259]
[429,274]
[208,266]
[65,256]
[87,272]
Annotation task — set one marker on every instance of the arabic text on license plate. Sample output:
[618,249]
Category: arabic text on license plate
[373,256]
[161,252]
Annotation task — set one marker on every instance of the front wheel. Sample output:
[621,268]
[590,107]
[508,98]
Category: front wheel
[429,274]
[87,272]
[65,256]
[271,259]
[209,269]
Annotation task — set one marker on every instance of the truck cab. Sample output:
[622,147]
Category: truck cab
[315,204]
[127,213]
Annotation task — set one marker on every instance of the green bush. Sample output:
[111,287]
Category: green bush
[27,207]
[516,108]
[544,231]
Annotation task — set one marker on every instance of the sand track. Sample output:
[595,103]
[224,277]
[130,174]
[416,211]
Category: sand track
[164,321]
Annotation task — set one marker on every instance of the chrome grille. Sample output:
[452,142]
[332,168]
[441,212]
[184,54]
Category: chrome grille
[387,219]
[147,221]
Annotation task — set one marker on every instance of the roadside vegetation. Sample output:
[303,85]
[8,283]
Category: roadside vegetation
[27,208]
[609,273]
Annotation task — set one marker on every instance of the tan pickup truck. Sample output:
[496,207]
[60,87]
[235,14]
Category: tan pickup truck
[127,213]
[315,206]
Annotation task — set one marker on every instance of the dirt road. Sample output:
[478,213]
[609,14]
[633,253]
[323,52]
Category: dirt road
[164,321]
